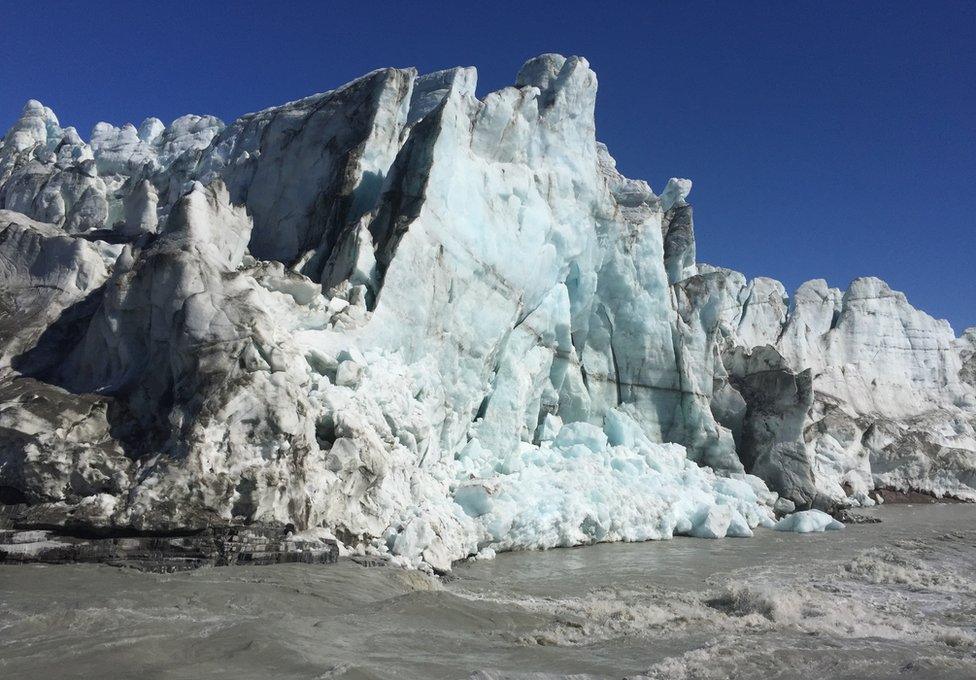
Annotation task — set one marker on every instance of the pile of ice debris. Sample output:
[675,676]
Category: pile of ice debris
[432,326]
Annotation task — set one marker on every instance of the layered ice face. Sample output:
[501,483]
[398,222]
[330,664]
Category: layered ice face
[433,326]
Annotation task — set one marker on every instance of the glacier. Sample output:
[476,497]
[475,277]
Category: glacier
[433,326]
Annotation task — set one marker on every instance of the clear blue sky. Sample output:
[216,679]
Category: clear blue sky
[825,139]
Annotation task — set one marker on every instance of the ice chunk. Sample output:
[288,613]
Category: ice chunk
[807,521]
[675,193]
[582,489]
[714,522]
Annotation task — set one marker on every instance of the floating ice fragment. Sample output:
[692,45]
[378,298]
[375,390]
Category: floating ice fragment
[808,521]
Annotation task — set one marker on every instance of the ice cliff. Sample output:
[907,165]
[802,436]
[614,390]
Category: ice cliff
[432,326]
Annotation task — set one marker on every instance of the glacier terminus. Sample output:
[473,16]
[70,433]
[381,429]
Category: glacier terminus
[430,326]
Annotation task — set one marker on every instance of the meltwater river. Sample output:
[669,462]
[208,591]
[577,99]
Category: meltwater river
[889,600]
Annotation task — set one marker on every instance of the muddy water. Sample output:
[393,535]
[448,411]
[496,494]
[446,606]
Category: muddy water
[896,599]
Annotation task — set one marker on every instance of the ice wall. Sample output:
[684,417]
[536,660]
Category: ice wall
[432,326]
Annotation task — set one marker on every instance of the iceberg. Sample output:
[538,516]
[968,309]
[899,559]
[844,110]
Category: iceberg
[808,521]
